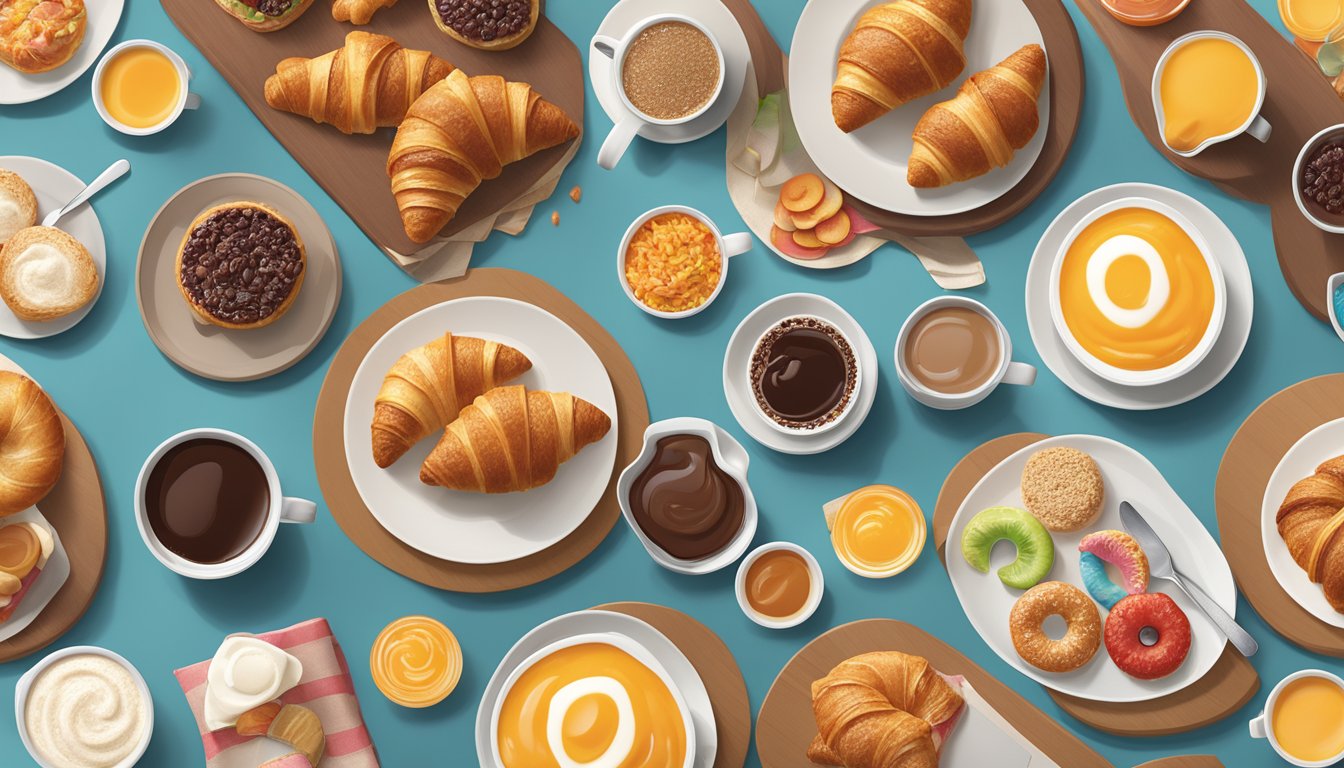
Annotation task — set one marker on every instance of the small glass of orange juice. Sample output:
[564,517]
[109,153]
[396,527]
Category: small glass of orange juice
[140,87]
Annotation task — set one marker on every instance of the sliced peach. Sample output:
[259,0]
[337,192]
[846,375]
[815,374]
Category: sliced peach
[830,203]
[834,229]
[802,192]
[808,239]
[782,218]
[784,243]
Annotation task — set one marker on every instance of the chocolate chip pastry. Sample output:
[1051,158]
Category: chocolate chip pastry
[491,25]
[240,265]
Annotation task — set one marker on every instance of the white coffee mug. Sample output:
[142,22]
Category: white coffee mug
[1008,372]
[281,509]
[185,98]
[1255,124]
[730,245]
[618,140]
[1262,726]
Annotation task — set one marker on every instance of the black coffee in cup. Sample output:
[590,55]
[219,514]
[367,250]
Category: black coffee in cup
[207,500]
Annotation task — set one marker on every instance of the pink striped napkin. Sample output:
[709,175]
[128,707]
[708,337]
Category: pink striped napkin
[325,688]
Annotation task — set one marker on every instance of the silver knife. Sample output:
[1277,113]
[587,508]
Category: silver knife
[1161,567]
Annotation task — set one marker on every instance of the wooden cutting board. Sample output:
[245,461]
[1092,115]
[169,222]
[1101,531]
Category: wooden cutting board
[353,169]
[1228,685]
[1299,103]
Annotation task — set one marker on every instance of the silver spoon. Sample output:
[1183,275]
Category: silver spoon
[604,49]
[113,172]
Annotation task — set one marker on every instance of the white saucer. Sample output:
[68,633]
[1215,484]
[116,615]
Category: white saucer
[736,59]
[1321,443]
[738,391]
[19,88]
[681,670]
[1226,351]
[54,187]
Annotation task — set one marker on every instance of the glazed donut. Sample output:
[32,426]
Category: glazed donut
[1130,617]
[1121,550]
[1081,638]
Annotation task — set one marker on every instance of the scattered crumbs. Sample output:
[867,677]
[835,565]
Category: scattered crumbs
[576,194]
[555,218]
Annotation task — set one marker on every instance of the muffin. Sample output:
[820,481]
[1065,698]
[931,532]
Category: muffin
[240,265]
[1062,487]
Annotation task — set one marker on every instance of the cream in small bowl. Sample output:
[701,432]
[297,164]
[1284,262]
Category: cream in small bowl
[84,707]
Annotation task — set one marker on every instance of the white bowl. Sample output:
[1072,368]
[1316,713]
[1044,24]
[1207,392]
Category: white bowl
[853,393]
[730,456]
[25,684]
[1338,131]
[729,246]
[621,642]
[1330,286]
[813,598]
[1157,375]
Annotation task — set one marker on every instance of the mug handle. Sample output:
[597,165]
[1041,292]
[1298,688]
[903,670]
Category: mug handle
[1258,728]
[1260,129]
[607,46]
[193,101]
[614,146]
[736,244]
[1021,374]
[296,510]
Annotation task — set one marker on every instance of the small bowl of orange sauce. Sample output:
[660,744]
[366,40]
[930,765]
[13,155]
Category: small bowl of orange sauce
[1145,13]
[878,531]
[779,585]
[416,661]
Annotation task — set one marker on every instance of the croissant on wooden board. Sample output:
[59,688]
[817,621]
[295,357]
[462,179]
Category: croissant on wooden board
[32,443]
[511,439]
[430,385]
[358,12]
[885,709]
[898,52]
[994,114]
[1311,522]
[367,84]
[459,133]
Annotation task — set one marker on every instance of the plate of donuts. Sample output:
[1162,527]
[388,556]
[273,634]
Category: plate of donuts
[1066,599]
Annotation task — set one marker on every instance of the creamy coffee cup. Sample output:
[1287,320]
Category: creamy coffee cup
[1291,721]
[208,503]
[969,354]
[625,130]
[172,105]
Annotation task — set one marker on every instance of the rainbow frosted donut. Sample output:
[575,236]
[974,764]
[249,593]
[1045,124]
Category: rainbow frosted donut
[1121,550]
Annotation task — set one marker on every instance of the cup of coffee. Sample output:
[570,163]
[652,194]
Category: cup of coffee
[1303,719]
[952,352]
[140,87]
[668,71]
[208,503]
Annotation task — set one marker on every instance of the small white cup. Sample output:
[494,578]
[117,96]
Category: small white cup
[1256,125]
[731,245]
[824,426]
[185,98]
[282,509]
[818,586]
[625,130]
[1261,727]
[1334,131]
[1009,372]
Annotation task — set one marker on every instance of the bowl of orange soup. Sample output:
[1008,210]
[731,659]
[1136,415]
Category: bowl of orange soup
[597,699]
[1135,293]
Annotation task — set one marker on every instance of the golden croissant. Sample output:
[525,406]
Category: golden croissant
[1311,522]
[430,385]
[32,443]
[511,439]
[882,710]
[358,12]
[459,133]
[367,84]
[898,52]
[994,114]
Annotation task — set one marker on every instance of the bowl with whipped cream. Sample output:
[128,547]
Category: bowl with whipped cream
[84,707]
[1136,294]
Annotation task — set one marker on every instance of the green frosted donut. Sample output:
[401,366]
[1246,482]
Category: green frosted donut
[1035,548]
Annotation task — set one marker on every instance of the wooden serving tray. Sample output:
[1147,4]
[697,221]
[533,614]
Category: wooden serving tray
[718,671]
[1250,458]
[1229,684]
[338,489]
[353,169]
[1298,104]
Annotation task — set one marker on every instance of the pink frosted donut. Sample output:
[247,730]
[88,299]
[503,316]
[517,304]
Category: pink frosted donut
[1121,550]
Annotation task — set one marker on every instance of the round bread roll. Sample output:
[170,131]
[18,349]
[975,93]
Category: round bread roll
[45,274]
[32,443]
[18,205]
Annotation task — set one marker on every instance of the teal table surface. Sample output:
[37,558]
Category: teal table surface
[126,397]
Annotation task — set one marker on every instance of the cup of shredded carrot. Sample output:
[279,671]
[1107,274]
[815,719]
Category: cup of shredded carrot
[672,262]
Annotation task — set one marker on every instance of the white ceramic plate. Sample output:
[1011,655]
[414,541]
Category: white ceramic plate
[681,670]
[19,88]
[1205,376]
[1128,477]
[1322,443]
[736,58]
[870,163]
[54,187]
[480,528]
[737,389]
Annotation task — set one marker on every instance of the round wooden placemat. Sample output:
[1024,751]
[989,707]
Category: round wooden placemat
[786,724]
[718,671]
[77,510]
[1229,684]
[338,488]
[1250,458]
[1067,81]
